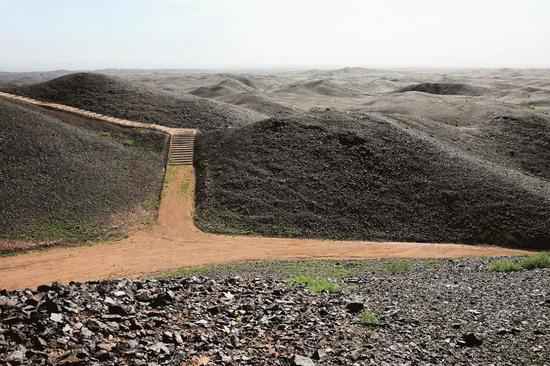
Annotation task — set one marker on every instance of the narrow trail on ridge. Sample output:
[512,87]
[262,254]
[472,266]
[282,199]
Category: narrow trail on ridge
[175,242]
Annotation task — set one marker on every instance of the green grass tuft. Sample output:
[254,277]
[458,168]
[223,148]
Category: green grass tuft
[62,230]
[505,265]
[8,254]
[185,187]
[315,284]
[185,272]
[369,318]
[397,267]
[541,260]
[170,174]
[537,261]
[151,204]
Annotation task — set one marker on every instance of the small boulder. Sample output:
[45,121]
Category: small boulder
[355,307]
[18,356]
[56,317]
[470,340]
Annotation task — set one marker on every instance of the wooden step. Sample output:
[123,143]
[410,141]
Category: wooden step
[181,150]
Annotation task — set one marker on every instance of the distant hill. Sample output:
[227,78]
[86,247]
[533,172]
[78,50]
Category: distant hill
[243,94]
[224,88]
[504,134]
[115,97]
[259,103]
[62,181]
[349,176]
[243,79]
[319,87]
[25,78]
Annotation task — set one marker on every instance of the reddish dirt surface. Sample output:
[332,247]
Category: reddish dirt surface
[175,242]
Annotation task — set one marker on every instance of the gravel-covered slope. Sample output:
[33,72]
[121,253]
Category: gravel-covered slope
[118,98]
[62,181]
[444,313]
[524,139]
[348,176]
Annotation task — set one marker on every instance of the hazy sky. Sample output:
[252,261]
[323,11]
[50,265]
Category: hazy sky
[93,34]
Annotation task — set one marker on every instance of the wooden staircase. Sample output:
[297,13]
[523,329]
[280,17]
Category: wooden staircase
[182,145]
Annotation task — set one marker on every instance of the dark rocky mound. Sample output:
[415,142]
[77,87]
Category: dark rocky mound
[61,181]
[445,89]
[319,87]
[223,88]
[521,141]
[481,318]
[118,98]
[514,138]
[350,177]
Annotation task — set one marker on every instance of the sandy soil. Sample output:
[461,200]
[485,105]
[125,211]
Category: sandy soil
[175,242]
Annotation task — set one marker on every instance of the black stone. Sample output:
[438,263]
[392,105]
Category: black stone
[355,307]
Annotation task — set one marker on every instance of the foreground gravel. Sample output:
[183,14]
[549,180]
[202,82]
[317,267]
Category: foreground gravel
[451,312]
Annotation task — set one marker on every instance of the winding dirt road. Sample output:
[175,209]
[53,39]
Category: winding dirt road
[175,242]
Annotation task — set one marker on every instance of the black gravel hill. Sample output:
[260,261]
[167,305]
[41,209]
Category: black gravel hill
[65,179]
[118,98]
[345,176]
[445,89]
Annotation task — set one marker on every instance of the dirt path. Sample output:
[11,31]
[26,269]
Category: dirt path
[176,242]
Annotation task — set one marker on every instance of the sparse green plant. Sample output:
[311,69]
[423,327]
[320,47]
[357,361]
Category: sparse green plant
[397,267]
[62,230]
[185,272]
[185,186]
[505,265]
[286,231]
[540,260]
[537,261]
[170,174]
[369,318]
[431,264]
[151,204]
[317,275]
[315,284]
[8,254]
[318,269]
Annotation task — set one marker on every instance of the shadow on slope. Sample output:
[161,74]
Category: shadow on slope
[340,176]
[64,182]
[118,98]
